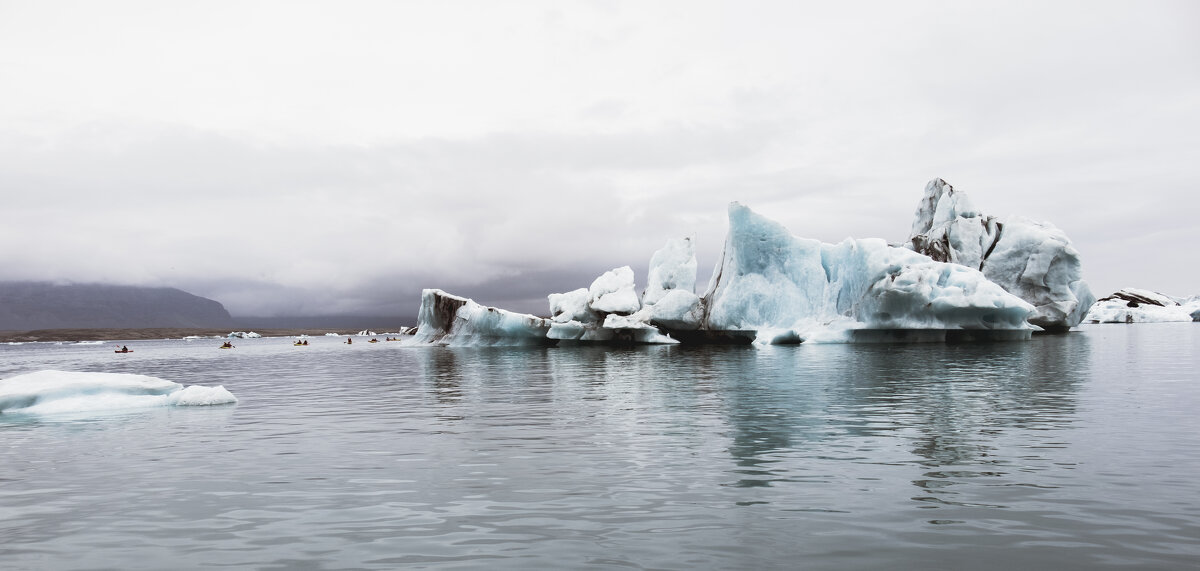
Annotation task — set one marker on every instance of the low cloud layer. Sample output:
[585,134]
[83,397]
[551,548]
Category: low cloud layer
[552,142]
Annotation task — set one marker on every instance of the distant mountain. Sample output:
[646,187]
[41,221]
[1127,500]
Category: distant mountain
[42,305]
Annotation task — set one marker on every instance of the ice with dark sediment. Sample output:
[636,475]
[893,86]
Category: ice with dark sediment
[788,289]
[1132,305]
[1033,260]
[446,319]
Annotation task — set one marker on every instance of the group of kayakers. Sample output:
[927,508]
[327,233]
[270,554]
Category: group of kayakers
[298,343]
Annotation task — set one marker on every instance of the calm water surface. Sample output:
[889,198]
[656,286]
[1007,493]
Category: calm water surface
[1074,452]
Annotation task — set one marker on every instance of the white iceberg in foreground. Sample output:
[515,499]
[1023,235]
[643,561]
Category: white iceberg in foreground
[446,319]
[1033,260]
[790,289]
[49,392]
[1132,305]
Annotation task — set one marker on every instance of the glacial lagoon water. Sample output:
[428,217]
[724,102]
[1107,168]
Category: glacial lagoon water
[1078,451]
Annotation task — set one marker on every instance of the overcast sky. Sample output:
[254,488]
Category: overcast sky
[309,158]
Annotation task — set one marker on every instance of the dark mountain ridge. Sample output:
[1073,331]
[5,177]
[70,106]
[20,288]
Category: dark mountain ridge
[45,305]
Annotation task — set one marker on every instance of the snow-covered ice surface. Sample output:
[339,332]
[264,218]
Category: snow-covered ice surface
[53,392]
[446,319]
[571,306]
[1132,305]
[790,289]
[614,292]
[610,312]
[1033,260]
[672,268]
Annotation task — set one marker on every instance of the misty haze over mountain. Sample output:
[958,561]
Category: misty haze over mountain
[32,305]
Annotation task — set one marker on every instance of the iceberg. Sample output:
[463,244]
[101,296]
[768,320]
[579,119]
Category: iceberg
[1033,260]
[669,300]
[677,310]
[446,319]
[614,292]
[614,330]
[610,312]
[672,268]
[1132,305]
[572,306]
[790,289]
[50,392]
[961,276]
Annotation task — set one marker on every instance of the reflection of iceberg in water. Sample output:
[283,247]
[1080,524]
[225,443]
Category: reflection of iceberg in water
[784,416]
[795,413]
[955,405]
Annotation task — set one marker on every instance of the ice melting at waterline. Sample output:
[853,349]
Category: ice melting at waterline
[51,392]
[961,276]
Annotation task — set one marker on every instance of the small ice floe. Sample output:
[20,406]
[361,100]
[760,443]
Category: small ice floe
[1132,305]
[51,392]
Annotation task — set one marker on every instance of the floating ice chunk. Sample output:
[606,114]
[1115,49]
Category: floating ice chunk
[571,306]
[619,329]
[676,309]
[608,312]
[446,319]
[49,392]
[770,281]
[671,268]
[1131,305]
[569,330]
[243,335]
[1033,260]
[196,395]
[613,292]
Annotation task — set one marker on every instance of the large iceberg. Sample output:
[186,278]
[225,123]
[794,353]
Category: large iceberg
[1132,305]
[446,319]
[1033,260]
[786,288]
[48,392]
[772,287]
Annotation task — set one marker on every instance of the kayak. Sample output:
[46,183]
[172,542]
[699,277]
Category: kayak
[125,351]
